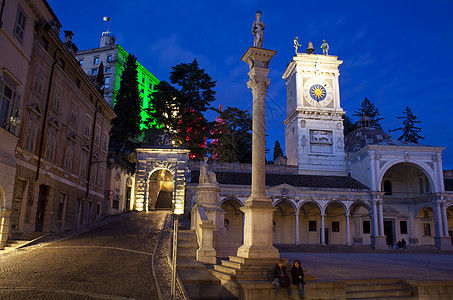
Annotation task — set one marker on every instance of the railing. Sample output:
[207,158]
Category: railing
[204,229]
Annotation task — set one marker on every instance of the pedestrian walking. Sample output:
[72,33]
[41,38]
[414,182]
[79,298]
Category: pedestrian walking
[281,278]
[297,276]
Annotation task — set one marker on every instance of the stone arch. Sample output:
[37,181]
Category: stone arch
[284,219]
[361,223]
[309,222]
[276,202]
[160,189]
[335,223]
[425,225]
[425,168]
[234,218]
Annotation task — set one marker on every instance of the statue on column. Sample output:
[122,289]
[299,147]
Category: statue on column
[258,31]
[325,48]
[296,44]
[206,176]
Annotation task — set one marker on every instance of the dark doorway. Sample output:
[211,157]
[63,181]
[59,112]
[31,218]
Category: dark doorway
[128,198]
[41,210]
[164,200]
[389,231]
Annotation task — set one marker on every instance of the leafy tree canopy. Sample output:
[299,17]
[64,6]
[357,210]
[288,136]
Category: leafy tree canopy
[232,136]
[277,150]
[368,109]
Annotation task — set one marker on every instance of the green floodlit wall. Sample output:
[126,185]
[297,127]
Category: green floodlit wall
[146,84]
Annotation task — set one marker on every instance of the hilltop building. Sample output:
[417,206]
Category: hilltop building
[113,57]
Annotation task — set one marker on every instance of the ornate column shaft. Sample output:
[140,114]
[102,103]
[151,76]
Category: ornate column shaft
[323,234]
[258,208]
[375,230]
[296,240]
[381,219]
[348,234]
[444,219]
[438,221]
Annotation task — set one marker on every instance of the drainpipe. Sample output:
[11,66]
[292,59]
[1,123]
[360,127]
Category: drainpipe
[1,13]
[44,121]
[90,160]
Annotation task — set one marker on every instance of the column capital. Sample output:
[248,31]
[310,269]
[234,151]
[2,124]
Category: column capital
[258,57]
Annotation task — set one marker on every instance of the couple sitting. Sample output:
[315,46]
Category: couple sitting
[281,278]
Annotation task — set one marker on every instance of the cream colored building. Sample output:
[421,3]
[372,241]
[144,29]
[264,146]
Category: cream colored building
[57,156]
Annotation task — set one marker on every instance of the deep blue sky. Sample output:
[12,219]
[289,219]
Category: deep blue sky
[395,53]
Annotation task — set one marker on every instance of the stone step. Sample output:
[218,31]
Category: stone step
[189,264]
[372,281]
[187,244]
[385,298]
[214,292]
[255,261]
[197,277]
[375,287]
[187,253]
[242,272]
[378,293]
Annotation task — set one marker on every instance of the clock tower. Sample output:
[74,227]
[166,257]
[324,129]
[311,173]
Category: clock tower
[314,128]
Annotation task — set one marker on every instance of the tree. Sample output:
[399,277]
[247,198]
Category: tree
[232,136]
[410,131]
[277,150]
[348,125]
[179,105]
[127,108]
[368,109]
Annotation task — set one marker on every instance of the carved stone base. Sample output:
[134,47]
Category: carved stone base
[443,243]
[379,242]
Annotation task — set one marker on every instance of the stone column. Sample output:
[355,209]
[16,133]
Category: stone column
[445,219]
[348,234]
[438,220]
[375,230]
[258,208]
[296,240]
[323,237]
[381,219]
[5,215]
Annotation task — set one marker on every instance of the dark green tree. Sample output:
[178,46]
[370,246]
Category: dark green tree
[127,108]
[179,105]
[348,125]
[277,150]
[368,109]
[410,131]
[232,136]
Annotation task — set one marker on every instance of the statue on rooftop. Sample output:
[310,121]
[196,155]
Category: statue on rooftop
[325,48]
[206,176]
[296,44]
[258,31]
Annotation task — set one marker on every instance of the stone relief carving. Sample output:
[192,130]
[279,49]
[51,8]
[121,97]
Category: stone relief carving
[303,142]
[303,123]
[340,143]
[321,137]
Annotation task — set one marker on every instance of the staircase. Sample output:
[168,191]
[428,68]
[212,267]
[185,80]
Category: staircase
[198,282]
[378,289]
[13,244]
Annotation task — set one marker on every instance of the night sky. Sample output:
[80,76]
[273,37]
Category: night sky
[395,53]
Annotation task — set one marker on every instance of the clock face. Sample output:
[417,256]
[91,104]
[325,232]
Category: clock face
[318,92]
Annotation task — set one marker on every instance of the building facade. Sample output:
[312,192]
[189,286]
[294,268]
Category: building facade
[113,58]
[63,133]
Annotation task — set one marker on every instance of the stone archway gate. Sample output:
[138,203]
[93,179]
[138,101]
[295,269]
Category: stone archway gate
[149,160]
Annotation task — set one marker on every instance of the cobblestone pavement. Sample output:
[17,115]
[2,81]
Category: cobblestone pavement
[332,266]
[109,262]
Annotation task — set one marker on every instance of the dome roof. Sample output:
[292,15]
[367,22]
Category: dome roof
[363,136]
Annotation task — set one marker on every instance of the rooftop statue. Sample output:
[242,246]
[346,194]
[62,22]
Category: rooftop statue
[296,44]
[206,176]
[325,47]
[258,31]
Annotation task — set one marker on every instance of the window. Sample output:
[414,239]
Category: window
[56,101]
[61,206]
[107,82]
[38,81]
[101,177]
[387,187]
[86,129]
[5,104]
[108,69]
[311,225]
[420,185]
[94,172]
[81,62]
[366,227]
[96,61]
[403,227]
[426,214]
[69,155]
[94,71]
[83,164]
[109,58]
[30,133]
[335,226]
[105,143]
[21,20]
[143,80]
[73,115]
[427,229]
[150,86]
[98,209]
[97,136]
[51,142]
[115,204]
